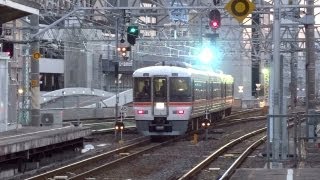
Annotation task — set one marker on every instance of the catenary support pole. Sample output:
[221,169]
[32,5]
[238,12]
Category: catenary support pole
[35,88]
[310,70]
[275,85]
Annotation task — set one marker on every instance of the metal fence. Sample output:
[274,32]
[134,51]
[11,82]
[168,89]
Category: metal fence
[289,135]
[61,115]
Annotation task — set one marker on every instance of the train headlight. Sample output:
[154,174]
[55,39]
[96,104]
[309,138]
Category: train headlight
[159,105]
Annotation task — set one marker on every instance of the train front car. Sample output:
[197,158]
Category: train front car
[162,100]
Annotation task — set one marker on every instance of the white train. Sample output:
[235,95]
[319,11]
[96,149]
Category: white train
[169,99]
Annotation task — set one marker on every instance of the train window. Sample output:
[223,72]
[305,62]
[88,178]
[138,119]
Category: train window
[223,90]
[216,90]
[229,90]
[142,89]
[160,88]
[180,89]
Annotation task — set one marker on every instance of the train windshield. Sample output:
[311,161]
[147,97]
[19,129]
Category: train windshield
[160,89]
[142,89]
[180,89]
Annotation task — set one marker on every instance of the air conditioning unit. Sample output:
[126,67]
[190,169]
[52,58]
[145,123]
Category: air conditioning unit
[53,119]
[47,119]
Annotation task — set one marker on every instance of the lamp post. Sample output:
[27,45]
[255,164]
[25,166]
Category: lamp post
[258,90]
[266,78]
[258,94]
[241,93]
[63,99]
[20,92]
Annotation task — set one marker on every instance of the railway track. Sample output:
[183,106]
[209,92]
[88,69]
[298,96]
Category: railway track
[213,159]
[215,155]
[66,170]
[89,167]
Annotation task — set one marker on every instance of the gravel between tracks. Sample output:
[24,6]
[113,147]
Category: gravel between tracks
[172,161]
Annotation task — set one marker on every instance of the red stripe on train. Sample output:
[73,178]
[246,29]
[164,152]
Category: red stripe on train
[170,103]
[180,103]
[142,104]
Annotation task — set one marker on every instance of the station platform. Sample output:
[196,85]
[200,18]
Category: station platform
[307,168]
[28,140]
[277,174]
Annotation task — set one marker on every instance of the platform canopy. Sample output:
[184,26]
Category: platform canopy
[15,9]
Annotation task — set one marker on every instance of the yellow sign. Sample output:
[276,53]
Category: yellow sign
[240,9]
[34,83]
[36,55]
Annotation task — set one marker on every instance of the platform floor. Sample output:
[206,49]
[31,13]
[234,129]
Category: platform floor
[27,138]
[277,174]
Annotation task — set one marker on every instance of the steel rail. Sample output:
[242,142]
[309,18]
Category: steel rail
[244,155]
[78,164]
[96,170]
[241,158]
[217,153]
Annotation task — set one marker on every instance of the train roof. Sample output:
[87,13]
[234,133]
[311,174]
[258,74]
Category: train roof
[162,70]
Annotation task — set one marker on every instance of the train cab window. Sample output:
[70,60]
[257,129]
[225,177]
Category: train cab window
[160,88]
[142,90]
[180,89]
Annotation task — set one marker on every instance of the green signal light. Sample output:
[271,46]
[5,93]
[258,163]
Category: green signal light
[133,30]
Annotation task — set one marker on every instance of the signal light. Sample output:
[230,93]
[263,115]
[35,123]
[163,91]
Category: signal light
[214,24]
[205,123]
[133,30]
[132,34]
[8,48]
[123,50]
[131,39]
[119,126]
[215,18]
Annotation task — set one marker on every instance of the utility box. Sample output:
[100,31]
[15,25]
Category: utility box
[52,118]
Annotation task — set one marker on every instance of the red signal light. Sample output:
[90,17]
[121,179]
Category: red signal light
[214,18]
[214,24]
[7,47]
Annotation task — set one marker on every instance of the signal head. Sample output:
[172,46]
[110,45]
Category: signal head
[133,30]
[215,18]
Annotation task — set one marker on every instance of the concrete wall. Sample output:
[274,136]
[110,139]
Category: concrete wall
[3,91]
[83,113]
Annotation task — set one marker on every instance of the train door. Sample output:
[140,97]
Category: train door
[160,96]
